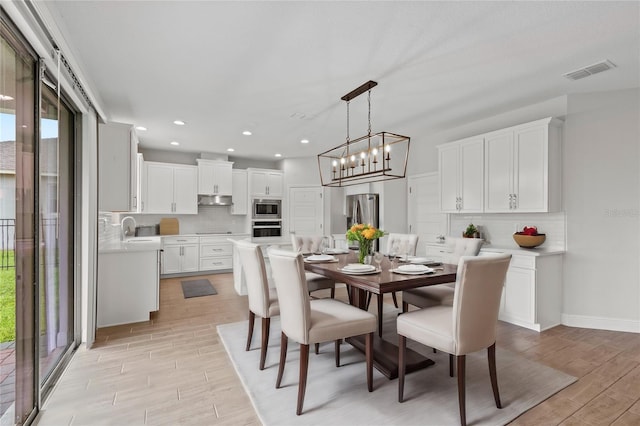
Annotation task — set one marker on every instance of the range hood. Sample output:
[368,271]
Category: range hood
[214,200]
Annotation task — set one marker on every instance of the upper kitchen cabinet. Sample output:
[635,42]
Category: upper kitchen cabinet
[239,194]
[522,168]
[117,160]
[214,177]
[171,188]
[266,183]
[461,166]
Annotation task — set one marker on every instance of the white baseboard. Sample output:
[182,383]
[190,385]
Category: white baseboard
[600,323]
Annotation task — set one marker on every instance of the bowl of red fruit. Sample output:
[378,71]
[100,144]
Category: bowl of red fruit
[529,237]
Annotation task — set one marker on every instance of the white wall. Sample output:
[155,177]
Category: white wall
[602,200]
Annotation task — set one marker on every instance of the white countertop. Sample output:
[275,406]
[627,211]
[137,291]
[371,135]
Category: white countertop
[538,251]
[131,245]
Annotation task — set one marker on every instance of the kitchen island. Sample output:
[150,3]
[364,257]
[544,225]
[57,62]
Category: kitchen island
[128,280]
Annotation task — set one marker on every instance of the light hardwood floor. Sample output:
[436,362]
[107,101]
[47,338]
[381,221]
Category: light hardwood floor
[173,369]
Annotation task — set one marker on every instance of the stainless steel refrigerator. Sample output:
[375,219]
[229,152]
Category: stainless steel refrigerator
[363,208]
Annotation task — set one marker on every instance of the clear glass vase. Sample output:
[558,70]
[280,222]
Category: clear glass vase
[364,251]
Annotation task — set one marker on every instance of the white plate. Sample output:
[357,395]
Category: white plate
[413,268]
[427,271]
[358,267]
[337,251]
[419,260]
[352,272]
[320,258]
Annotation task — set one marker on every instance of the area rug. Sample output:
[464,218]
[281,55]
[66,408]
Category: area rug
[197,288]
[337,396]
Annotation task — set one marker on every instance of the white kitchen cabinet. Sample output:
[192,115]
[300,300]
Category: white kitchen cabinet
[522,168]
[181,254]
[171,188]
[239,192]
[127,287]
[461,168]
[266,183]
[216,253]
[214,177]
[439,252]
[532,294]
[117,157]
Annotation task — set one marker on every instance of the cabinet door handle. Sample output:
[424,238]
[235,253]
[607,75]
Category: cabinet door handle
[135,202]
[142,204]
[515,201]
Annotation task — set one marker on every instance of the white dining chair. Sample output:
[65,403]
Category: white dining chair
[263,301]
[424,297]
[467,326]
[311,321]
[314,244]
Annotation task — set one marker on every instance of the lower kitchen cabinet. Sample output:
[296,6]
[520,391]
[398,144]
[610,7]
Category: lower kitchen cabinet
[215,253]
[181,254]
[532,294]
[128,287]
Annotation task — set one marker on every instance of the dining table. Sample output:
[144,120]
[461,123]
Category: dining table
[384,280]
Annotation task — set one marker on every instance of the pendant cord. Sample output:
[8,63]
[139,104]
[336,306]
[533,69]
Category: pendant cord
[369,117]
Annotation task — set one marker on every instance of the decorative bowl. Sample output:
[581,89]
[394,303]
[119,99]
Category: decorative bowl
[529,241]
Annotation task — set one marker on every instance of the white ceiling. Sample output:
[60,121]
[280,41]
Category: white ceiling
[280,68]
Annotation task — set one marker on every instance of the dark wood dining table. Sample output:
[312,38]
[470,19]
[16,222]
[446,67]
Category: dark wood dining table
[385,353]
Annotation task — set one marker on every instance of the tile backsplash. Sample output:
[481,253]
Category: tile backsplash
[208,219]
[497,229]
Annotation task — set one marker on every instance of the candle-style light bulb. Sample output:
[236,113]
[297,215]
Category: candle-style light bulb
[388,150]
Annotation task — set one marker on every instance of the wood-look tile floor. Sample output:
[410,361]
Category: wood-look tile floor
[173,369]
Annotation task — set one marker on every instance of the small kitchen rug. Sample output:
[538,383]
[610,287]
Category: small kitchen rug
[197,288]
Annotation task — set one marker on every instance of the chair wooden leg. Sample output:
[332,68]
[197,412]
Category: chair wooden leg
[491,355]
[402,347]
[349,294]
[368,301]
[461,388]
[380,314]
[450,364]
[405,306]
[395,299]
[333,292]
[317,348]
[337,351]
[369,357]
[302,384]
[266,322]
[284,340]
[252,318]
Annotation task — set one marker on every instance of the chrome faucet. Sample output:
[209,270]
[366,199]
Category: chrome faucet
[127,231]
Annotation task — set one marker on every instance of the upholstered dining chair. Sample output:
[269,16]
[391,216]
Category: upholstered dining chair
[312,244]
[263,301]
[424,297]
[467,326]
[308,321]
[400,244]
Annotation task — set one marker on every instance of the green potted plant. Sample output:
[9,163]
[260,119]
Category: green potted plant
[471,232]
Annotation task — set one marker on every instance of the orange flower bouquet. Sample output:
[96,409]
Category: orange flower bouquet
[364,235]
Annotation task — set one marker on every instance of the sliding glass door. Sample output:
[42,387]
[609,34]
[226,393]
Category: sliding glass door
[36,229]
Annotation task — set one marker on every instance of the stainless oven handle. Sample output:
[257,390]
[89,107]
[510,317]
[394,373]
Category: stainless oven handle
[267,227]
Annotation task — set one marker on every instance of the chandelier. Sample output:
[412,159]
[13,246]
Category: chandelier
[370,158]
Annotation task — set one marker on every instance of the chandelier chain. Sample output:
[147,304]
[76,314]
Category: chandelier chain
[347,121]
[369,117]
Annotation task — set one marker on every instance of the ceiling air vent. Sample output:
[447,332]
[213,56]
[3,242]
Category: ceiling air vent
[590,70]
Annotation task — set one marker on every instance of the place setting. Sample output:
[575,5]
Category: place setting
[359,269]
[320,258]
[413,269]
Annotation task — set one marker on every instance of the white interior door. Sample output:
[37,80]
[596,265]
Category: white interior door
[306,207]
[425,218]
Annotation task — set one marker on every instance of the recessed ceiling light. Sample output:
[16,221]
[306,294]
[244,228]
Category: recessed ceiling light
[304,141]
[246,133]
[175,143]
[179,122]
[141,128]
[230,149]
[278,155]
